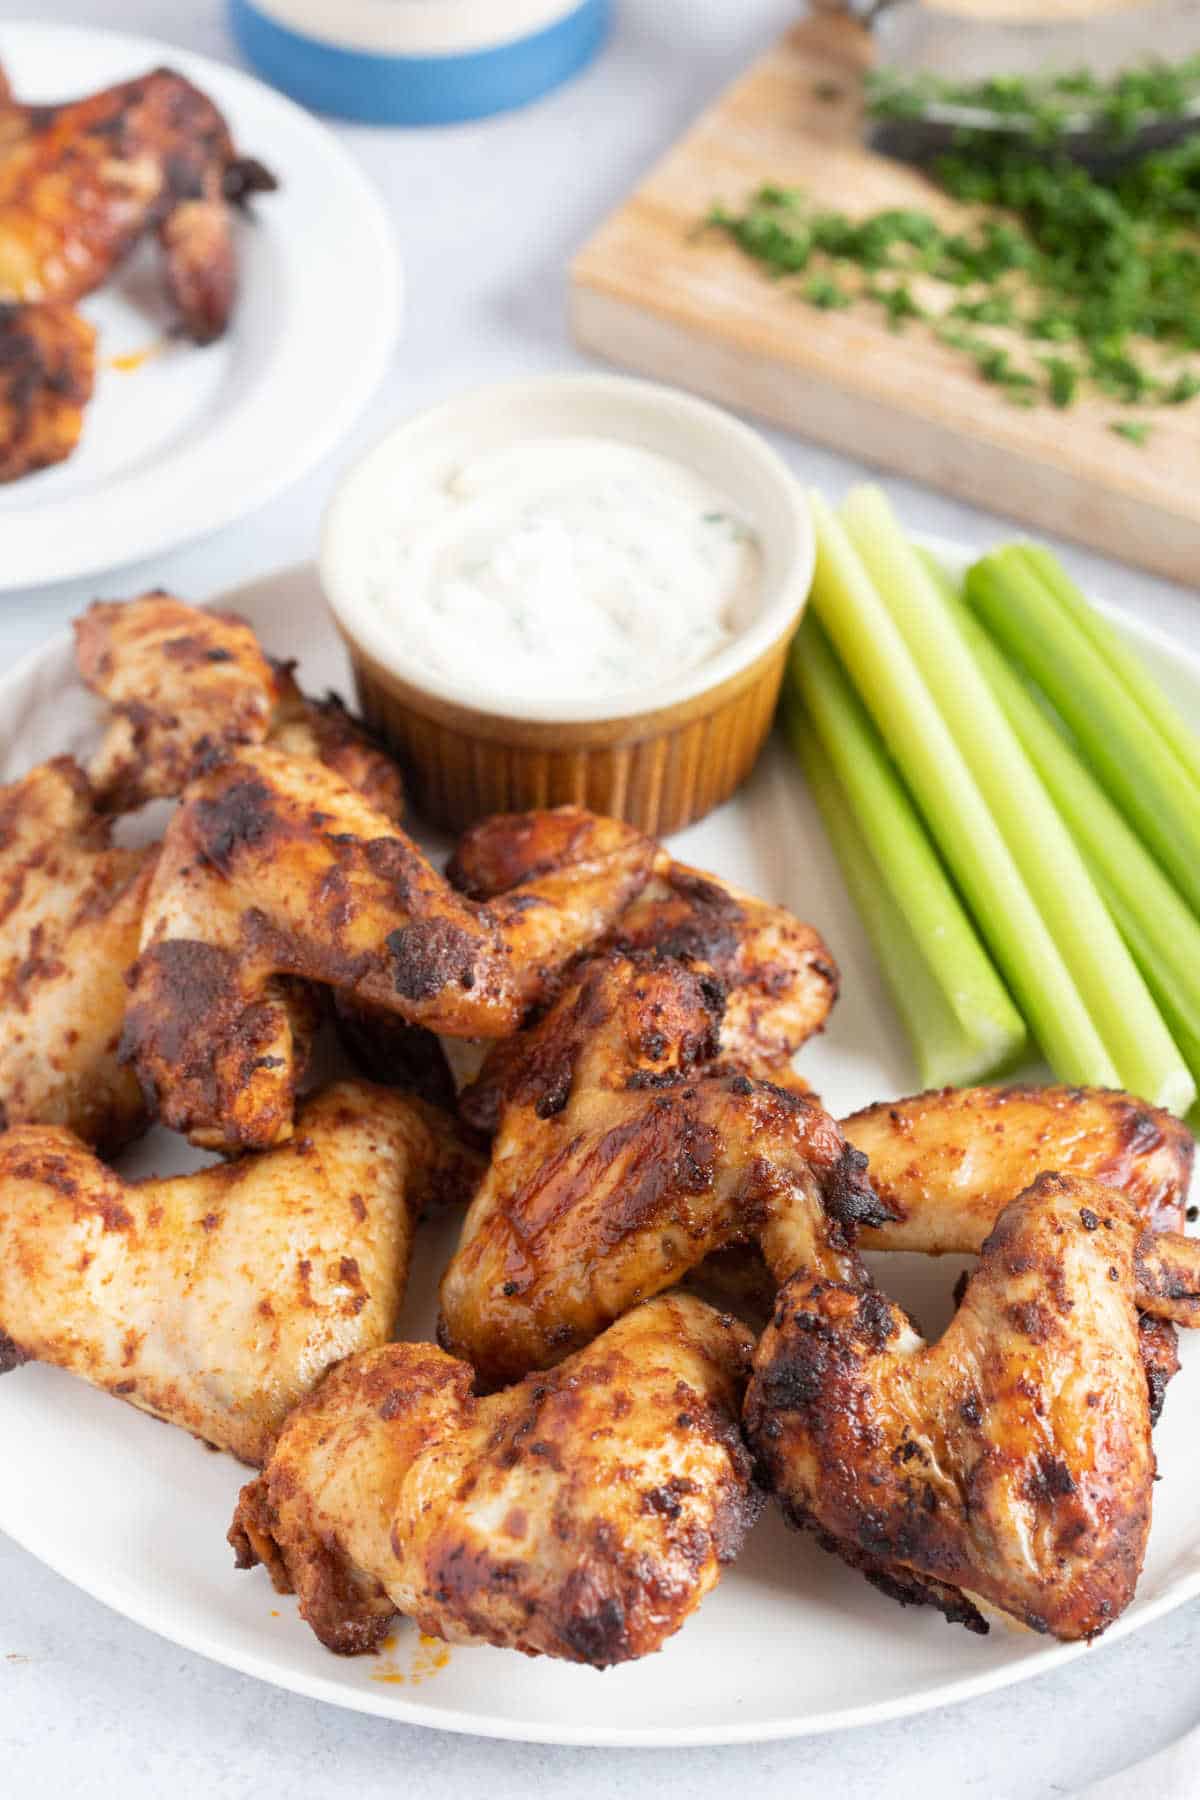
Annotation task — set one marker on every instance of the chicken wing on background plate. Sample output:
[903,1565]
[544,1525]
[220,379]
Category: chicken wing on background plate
[582,1514]
[273,866]
[186,684]
[82,182]
[218,1300]
[70,921]
[621,1164]
[1010,1463]
[47,368]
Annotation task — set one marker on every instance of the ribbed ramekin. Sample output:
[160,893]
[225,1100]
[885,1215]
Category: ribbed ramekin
[418,62]
[660,759]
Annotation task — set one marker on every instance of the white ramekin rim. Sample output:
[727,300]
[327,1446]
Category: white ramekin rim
[702,436]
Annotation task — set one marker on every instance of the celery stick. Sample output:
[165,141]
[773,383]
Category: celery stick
[961,1021]
[1161,932]
[1139,769]
[1127,665]
[879,662]
[1096,956]
[944,1052]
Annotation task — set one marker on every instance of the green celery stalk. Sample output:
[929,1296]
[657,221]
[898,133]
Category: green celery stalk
[1159,711]
[1139,769]
[1161,932]
[961,1022]
[885,673]
[1097,959]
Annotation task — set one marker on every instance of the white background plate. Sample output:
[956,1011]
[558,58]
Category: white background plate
[193,438]
[791,1642]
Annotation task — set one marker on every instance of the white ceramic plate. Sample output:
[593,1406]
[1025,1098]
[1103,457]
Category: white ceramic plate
[193,438]
[791,1642]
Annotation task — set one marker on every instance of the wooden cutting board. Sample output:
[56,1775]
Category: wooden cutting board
[654,295]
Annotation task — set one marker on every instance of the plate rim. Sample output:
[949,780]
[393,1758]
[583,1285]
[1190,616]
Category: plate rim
[61,527]
[130,1602]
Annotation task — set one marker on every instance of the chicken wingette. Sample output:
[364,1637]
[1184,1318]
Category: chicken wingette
[218,1300]
[582,1514]
[47,370]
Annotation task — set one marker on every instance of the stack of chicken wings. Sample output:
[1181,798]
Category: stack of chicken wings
[658,1312]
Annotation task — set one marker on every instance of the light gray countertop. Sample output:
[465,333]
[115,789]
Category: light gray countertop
[487,217]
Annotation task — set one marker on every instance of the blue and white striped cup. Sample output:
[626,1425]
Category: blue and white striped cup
[418,62]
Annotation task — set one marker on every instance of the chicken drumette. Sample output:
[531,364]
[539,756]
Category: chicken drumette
[82,182]
[582,1514]
[273,866]
[218,1300]
[186,684]
[1008,1464]
[621,1164]
[70,919]
[47,367]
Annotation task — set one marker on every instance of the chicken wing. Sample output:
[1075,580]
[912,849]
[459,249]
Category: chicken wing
[82,182]
[218,1300]
[186,684]
[620,1164]
[70,918]
[583,1514]
[273,866]
[47,368]
[948,1162]
[779,978]
[1009,1463]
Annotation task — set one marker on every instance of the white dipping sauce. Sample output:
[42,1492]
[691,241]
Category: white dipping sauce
[572,566]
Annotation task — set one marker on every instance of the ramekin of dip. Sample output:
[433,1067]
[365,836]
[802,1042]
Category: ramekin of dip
[574,588]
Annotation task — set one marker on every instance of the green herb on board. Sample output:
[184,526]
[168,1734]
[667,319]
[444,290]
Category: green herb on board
[1135,430]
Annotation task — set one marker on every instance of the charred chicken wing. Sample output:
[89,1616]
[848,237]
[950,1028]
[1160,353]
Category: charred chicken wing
[82,182]
[70,920]
[948,1162]
[583,1514]
[217,1300]
[1008,1464]
[272,866]
[621,1164]
[47,367]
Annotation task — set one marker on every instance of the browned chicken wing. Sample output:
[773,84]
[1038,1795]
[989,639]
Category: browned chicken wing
[273,866]
[217,1300]
[82,182]
[621,1164]
[47,368]
[778,977]
[70,919]
[948,1162]
[583,1514]
[1008,1464]
[186,684]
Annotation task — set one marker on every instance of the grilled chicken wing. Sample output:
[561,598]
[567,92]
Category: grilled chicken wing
[82,182]
[1010,1463]
[186,684]
[948,1162]
[273,866]
[620,1164]
[583,1514]
[47,368]
[217,1300]
[70,918]
[778,977]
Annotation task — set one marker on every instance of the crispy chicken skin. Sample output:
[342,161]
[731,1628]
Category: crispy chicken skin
[186,684]
[82,182]
[948,1162]
[583,1514]
[47,369]
[621,1164]
[70,919]
[1010,1462]
[217,1300]
[273,866]
[778,976]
